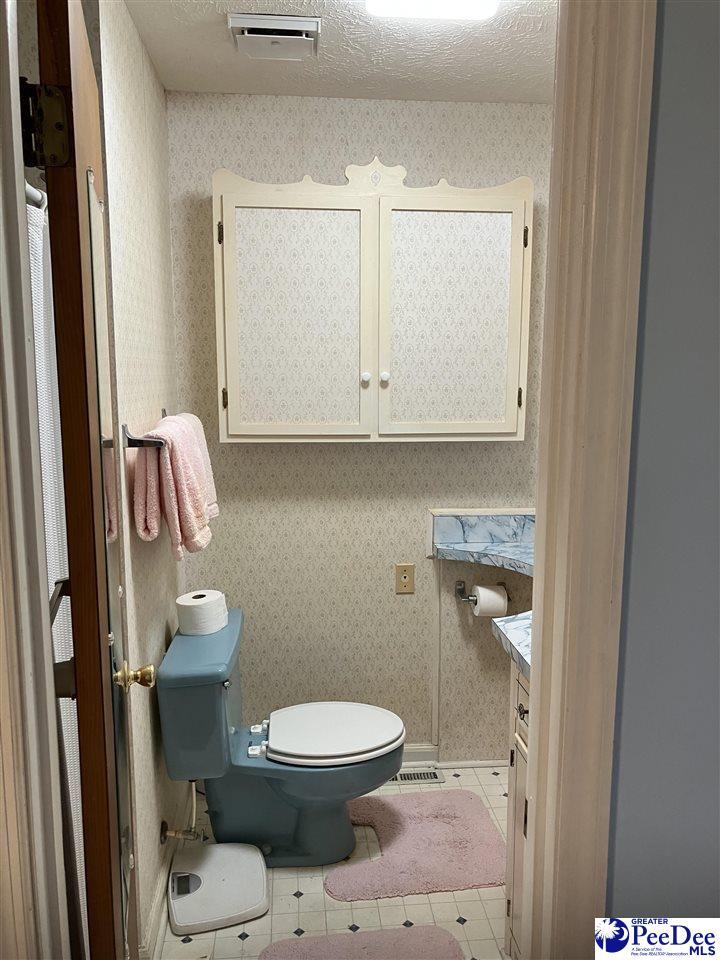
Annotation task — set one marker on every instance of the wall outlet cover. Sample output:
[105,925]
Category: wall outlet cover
[404,578]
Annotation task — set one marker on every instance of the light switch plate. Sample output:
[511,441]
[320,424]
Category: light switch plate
[404,578]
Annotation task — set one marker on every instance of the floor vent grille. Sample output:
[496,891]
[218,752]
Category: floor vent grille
[419,776]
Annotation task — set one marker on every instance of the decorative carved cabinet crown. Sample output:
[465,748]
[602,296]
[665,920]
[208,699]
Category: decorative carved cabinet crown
[371,311]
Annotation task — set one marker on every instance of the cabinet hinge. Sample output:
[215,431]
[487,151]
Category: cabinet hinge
[519,396]
[45,127]
[512,757]
[224,398]
[526,233]
[508,904]
[525,815]
[220,231]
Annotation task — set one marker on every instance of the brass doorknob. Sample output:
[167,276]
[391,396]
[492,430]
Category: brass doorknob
[125,677]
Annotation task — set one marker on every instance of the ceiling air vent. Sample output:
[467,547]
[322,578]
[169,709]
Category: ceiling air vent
[275,37]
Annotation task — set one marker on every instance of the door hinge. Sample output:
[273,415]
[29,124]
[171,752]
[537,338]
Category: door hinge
[220,231]
[45,127]
[508,904]
[224,398]
[519,396]
[512,757]
[525,813]
[526,233]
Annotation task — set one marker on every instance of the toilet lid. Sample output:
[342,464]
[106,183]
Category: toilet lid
[332,733]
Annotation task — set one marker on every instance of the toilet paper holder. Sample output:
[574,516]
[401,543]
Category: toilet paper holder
[461,592]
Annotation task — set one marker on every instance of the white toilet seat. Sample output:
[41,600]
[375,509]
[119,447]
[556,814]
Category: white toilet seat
[331,734]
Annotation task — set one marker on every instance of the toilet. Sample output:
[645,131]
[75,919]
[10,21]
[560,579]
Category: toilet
[282,784]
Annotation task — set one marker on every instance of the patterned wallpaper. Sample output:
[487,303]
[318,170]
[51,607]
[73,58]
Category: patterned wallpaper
[308,533]
[144,351]
[460,297]
[284,328]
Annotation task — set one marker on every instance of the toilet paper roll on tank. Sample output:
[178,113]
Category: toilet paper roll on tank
[490,601]
[200,612]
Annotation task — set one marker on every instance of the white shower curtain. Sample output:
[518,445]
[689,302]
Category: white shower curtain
[56,545]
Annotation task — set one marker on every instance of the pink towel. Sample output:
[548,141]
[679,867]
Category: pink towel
[175,481]
[110,494]
[210,494]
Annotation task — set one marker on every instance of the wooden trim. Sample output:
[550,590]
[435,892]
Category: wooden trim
[65,60]
[600,141]
[17,914]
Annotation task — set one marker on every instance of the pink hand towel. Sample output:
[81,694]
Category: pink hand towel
[211,495]
[110,494]
[172,481]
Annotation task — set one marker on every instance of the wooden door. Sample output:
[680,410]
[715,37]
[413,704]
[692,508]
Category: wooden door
[65,62]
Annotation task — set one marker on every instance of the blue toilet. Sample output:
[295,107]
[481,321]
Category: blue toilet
[283,784]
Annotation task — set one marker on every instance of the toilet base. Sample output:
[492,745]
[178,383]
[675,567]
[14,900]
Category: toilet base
[297,816]
[324,832]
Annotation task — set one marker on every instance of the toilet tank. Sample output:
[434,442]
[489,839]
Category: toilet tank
[198,687]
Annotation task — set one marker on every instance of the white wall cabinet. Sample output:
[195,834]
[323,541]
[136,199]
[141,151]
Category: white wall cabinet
[371,311]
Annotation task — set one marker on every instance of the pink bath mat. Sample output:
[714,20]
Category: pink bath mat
[430,842]
[416,943]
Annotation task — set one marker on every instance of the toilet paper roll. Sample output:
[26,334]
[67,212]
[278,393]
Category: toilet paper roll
[489,601]
[201,612]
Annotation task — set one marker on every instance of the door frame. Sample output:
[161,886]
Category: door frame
[603,87]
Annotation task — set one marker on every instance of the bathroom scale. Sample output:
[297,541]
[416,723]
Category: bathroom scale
[214,885]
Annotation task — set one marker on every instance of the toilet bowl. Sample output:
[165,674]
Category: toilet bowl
[283,784]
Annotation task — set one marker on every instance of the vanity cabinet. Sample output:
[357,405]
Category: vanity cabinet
[517,811]
[371,311]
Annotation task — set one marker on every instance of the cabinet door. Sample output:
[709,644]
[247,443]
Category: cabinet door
[454,313]
[519,815]
[300,302]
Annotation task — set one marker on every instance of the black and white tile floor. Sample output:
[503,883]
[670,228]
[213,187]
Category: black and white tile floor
[300,907]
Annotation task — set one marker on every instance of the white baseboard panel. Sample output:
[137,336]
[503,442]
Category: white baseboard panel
[416,754]
[426,754]
[463,764]
[151,943]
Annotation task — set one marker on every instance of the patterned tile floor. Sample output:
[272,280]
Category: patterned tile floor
[299,905]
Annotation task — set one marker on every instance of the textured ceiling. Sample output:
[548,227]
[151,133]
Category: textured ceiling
[507,58]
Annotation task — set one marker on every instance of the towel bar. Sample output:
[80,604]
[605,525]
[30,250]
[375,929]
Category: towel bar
[130,440]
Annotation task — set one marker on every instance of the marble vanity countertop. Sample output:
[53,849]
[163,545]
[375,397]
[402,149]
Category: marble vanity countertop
[496,540]
[515,635]
[510,554]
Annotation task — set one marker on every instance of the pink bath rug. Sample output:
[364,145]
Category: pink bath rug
[415,943]
[430,842]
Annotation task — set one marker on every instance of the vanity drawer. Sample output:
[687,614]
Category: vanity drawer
[521,707]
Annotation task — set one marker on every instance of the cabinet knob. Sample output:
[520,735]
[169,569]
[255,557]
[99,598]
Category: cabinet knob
[384,377]
[365,377]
